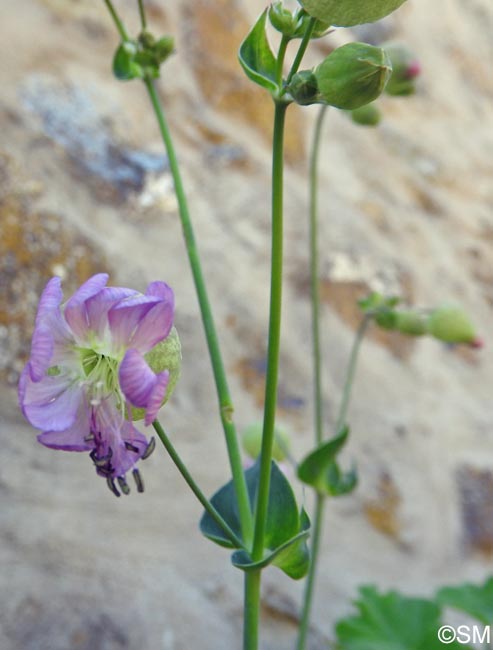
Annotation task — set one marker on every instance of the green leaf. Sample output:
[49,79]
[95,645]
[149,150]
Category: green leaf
[475,601]
[292,557]
[392,622]
[320,469]
[125,67]
[256,57]
[286,529]
[345,13]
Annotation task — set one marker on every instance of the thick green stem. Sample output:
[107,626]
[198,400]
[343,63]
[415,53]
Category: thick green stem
[302,49]
[274,332]
[193,486]
[316,535]
[251,610]
[117,21]
[224,398]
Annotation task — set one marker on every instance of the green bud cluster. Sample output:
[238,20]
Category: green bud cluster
[293,24]
[142,58]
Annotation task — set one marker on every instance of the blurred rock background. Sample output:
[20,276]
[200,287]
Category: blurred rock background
[406,207]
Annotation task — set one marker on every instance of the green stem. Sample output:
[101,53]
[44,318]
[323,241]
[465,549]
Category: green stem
[315,277]
[142,13]
[224,398]
[350,372]
[193,486]
[317,373]
[274,332]
[302,49]
[117,21]
[251,610]
[280,60]
[316,535]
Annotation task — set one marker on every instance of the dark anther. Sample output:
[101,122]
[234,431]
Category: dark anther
[138,480]
[150,448]
[101,461]
[123,484]
[112,486]
[132,447]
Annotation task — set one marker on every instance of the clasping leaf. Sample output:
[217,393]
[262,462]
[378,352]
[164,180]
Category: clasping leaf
[256,57]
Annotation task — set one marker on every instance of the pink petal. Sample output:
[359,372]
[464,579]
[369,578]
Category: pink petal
[156,398]
[98,306]
[112,432]
[42,347]
[125,316]
[154,327]
[136,379]
[161,290]
[50,299]
[73,438]
[52,403]
[75,309]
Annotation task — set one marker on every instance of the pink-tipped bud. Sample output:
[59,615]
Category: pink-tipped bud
[414,69]
[477,344]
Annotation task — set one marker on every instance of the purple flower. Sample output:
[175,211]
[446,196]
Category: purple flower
[87,369]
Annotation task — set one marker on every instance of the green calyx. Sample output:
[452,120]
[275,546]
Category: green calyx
[294,25]
[452,325]
[166,355]
[353,75]
[304,88]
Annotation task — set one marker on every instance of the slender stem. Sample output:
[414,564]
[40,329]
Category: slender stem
[315,277]
[193,485]
[317,374]
[251,610]
[302,49]
[117,21]
[142,13]
[280,60]
[224,398]
[274,332]
[350,372]
[310,580]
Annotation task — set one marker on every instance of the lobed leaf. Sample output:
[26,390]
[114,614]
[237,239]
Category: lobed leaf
[475,601]
[392,622]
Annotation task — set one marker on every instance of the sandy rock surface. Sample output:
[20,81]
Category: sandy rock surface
[406,207]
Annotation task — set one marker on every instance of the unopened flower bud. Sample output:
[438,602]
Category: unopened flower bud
[321,28]
[252,441]
[282,19]
[146,39]
[303,88]
[405,68]
[353,75]
[164,47]
[452,325]
[367,115]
